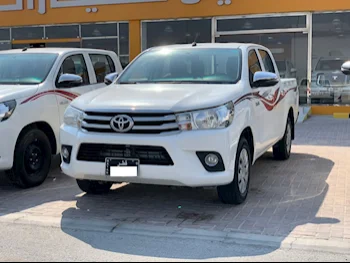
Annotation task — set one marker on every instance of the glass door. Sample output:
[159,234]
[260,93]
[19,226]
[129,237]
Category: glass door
[286,36]
[289,51]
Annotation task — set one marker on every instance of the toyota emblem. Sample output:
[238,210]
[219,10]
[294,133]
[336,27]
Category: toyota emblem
[122,123]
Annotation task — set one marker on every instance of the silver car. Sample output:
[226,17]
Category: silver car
[328,83]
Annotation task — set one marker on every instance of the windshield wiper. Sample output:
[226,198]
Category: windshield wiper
[133,82]
[18,83]
[177,82]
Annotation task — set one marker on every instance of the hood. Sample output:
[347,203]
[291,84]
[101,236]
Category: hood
[334,78]
[159,97]
[15,92]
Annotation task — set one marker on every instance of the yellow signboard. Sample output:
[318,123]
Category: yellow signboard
[34,12]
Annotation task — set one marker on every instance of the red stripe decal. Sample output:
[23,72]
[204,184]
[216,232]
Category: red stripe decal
[269,104]
[64,94]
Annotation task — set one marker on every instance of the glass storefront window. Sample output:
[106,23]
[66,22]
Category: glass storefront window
[4,34]
[23,33]
[64,45]
[99,30]
[124,60]
[175,32]
[124,38]
[260,23]
[289,51]
[5,45]
[107,44]
[330,49]
[62,31]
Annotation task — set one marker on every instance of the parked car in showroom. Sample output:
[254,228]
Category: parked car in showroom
[286,69]
[328,82]
[184,115]
[345,69]
[36,86]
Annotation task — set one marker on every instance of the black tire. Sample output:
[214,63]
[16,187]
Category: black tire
[94,187]
[231,193]
[32,159]
[282,150]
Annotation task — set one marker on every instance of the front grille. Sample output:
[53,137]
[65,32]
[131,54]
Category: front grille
[148,155]
[144,123]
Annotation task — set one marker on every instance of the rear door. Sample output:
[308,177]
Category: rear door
[102,65]
[73,63]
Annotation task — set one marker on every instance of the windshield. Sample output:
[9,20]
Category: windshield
[281,65]
[185,65]
[330,64]
[25,68]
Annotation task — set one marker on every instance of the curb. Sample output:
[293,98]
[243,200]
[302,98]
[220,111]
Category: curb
[119,227]
[340,115]
[304,114]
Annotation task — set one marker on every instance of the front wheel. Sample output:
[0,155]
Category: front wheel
[94,187]
[236,192]
[32,159]
[283,148]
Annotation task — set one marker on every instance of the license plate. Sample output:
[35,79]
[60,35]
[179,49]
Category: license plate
[116,167]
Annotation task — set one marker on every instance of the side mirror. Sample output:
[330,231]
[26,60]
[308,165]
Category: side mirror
[345,68]
[69,81]
[110,78]
[264,79]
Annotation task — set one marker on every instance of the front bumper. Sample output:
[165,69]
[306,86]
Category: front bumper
[182,147]
[8,138]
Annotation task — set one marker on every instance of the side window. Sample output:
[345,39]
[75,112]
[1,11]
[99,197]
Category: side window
[111,64]
[75,65]
[103,65]
[253,64]
[267,61]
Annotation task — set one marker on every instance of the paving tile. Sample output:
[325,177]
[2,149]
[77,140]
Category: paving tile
[306,196]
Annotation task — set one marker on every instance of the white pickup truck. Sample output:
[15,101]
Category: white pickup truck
[36,86]
[185,115]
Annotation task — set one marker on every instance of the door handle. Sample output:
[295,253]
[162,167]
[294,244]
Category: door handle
[257,103]
[65,102]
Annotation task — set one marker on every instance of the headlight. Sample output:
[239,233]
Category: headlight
[214,118]
[73,117]
[6,109]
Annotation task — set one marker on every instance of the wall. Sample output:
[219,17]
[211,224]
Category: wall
[148,9]
[43,12]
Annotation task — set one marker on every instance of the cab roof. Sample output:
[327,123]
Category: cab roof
[52,50]
[242,46]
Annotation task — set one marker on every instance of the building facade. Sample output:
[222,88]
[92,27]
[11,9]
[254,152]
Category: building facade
[309,39]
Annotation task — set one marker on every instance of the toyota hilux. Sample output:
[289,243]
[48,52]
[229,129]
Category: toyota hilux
[193,115]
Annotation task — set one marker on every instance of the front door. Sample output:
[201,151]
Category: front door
[73,64]
[260,110]
[271,96]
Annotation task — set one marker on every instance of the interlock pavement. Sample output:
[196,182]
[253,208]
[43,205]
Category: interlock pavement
[306,196]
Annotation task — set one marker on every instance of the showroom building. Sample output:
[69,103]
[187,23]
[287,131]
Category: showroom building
[309,39]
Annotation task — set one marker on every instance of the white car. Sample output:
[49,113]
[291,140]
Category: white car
[184,115]
[36,86]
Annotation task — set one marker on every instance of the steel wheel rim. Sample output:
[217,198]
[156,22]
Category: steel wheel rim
[33,158]
[243,171]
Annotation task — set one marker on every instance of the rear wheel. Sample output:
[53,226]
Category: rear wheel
[94,187]
[283,148]
[237,191]
[32,159]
